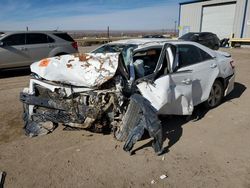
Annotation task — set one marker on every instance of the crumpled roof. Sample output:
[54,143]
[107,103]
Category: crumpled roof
[87,70]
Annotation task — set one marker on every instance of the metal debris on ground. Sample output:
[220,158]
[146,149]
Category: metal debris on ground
[163,176]
[2,178]
[163,158]
[153,182]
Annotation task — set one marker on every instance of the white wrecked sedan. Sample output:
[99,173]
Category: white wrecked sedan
[124,86]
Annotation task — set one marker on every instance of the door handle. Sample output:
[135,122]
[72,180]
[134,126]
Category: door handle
[186,81]
[213,65]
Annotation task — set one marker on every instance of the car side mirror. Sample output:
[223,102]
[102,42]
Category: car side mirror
[1,43]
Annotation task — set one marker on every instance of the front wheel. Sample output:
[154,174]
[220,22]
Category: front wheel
[215,96]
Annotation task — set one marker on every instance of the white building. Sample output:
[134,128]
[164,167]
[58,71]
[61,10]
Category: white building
[222,17]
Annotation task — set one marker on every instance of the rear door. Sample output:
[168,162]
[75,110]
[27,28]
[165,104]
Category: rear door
[14,53]
[204,70]
[38,45]
[171,92]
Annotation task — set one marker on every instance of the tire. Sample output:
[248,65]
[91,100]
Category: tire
[215,96]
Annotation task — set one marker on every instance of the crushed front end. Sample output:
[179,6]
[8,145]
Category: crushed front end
[112,104]
[46,102]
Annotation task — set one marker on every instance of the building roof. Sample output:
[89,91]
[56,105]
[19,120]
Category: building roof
[192,1]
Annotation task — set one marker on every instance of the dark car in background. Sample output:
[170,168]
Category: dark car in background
[207,39]
[21,48]
[154,36]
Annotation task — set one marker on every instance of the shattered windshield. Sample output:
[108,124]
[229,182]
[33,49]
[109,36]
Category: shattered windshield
[114,48]
[124,49]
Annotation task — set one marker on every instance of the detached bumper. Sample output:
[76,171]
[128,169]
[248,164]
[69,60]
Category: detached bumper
[230,84]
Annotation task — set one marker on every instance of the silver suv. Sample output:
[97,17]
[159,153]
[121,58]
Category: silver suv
[18,49]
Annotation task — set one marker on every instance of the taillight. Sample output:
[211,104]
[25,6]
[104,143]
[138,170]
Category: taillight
[232,64]
[74,44]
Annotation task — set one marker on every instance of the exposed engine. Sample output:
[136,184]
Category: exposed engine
[94,109]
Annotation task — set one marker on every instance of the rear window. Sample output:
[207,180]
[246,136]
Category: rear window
[187,36]
[64,36]
[37,38]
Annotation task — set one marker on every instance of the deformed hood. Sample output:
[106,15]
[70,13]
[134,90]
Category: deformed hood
[87,70]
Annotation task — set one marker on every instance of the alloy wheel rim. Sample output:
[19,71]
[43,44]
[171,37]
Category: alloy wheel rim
[215,95]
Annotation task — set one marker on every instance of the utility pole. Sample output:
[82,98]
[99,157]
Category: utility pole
[108,32]
[175,24]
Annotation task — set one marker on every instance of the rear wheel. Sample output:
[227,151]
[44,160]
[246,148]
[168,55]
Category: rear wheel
[215,96]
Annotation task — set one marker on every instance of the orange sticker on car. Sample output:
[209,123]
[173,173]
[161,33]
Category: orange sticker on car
[44,63]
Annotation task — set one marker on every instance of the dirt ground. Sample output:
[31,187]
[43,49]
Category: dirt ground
[211,152]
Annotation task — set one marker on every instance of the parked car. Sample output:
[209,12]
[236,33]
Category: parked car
[205,38]
[125,85]
[18,49]
[153,36]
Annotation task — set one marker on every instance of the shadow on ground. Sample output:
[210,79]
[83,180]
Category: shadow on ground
[236,93]
[7,73]
[172,125]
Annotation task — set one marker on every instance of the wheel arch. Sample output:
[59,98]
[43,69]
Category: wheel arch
[222,81]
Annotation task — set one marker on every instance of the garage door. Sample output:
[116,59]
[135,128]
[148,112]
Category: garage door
[219,20]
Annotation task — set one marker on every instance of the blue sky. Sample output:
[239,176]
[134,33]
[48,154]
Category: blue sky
[88,14]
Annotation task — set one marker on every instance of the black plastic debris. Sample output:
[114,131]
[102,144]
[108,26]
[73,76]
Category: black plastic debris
[2,179]
[146,118]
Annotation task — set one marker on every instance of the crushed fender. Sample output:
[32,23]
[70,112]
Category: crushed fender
[146,118]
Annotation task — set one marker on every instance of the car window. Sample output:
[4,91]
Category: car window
[187,36]
[188,55]
[113,48]
[50,40]
[14,40]
[149,58]
[203,36]
[204,55]
[64,36]
[109,49]
[36,38]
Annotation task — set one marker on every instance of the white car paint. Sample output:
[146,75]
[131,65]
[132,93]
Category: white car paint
[86,70]
[174,93]
[170,94]
[178,92]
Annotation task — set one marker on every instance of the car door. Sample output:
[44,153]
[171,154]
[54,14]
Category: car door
[38,45]
[171,92]
[13,52]
[204,70]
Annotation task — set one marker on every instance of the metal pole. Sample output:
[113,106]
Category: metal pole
[175,23]
[108,32]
